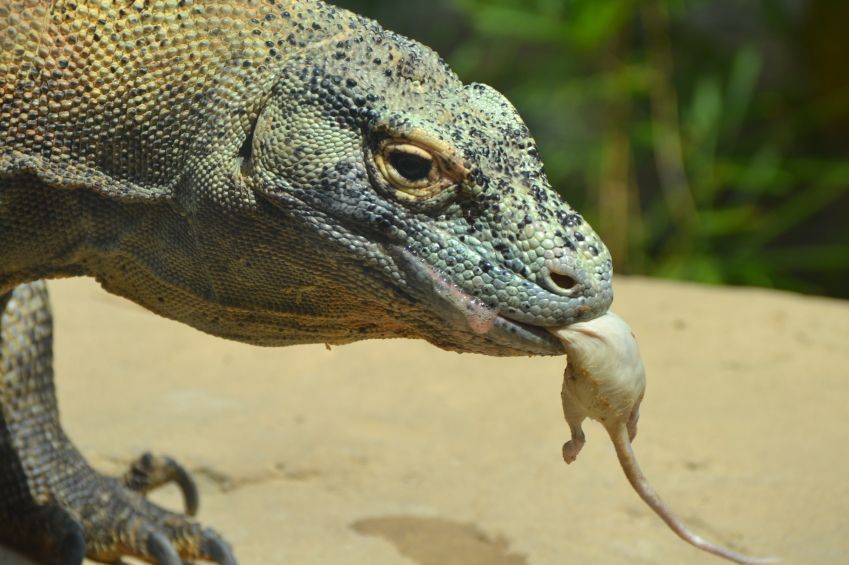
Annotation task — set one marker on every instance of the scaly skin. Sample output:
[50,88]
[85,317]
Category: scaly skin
[254,169]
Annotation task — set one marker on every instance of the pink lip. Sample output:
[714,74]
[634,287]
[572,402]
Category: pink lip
[480,317]
[500,334]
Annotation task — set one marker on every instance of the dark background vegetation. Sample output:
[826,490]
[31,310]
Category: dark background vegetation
[704,140]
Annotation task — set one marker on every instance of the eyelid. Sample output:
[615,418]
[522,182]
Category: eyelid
[450,161]
[412,191]
[433,184]
[450,165]
[447,174]
[412,149]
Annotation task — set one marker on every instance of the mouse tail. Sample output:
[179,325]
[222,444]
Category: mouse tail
[622,443]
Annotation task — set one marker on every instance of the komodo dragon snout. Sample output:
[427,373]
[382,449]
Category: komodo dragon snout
[436,218]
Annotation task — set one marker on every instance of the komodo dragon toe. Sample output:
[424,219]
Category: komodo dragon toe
[53,505]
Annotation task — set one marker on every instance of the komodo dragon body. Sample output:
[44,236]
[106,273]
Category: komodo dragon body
[270,172]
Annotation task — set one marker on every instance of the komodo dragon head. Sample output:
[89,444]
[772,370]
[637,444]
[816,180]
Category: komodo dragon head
[366,193]
[422,206]
[392,200]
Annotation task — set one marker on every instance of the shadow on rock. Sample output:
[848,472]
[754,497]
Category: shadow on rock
[436,541]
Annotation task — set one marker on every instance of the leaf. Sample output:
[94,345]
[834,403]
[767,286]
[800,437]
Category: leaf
[503,21]
[731,220]
[591,23]
[831,183]
[706,111]
[741,87]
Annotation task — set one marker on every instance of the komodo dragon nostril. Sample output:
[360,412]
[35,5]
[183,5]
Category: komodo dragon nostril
[560,279]
[564,282]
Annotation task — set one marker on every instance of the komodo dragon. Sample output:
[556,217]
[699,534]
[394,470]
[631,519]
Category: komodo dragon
[273,172]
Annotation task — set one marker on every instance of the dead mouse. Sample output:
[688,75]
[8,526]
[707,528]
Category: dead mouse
[605,380]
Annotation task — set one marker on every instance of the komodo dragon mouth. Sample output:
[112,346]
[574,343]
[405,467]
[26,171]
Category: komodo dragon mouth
[442,312]
[466,312]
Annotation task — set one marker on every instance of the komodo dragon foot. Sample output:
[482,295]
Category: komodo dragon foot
[53,505]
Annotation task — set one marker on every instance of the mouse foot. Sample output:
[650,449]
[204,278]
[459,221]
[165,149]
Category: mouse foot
[573,447]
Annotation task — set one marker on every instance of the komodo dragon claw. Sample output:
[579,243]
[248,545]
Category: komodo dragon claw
[212,545]
[162,550]
[217,549]
[149,472]
[53,505]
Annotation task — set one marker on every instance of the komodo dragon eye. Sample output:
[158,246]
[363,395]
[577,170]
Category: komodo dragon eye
[407,166]
[416,171]
[412,166]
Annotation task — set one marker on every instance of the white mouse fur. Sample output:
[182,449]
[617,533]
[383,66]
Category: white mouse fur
[605,380]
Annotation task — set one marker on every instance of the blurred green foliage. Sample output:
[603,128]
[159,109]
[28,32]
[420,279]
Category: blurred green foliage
[706,141]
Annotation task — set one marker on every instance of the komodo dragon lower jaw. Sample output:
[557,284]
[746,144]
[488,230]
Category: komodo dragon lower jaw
[484,329]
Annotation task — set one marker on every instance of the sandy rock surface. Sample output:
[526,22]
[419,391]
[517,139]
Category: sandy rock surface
[394,452]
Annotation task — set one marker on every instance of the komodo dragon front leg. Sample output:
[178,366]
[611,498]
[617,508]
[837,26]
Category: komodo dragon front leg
[52,503]
[272,172]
